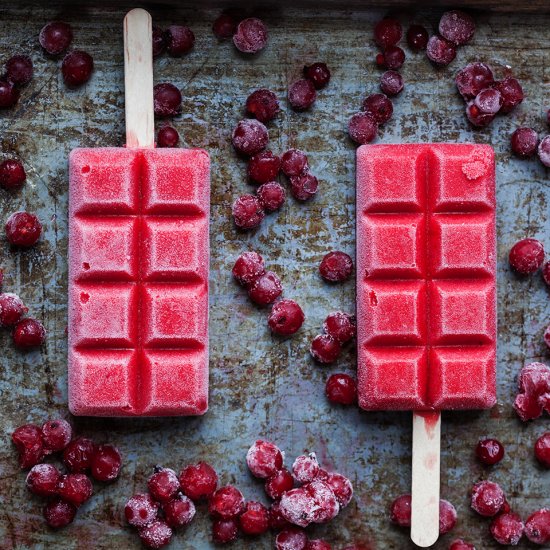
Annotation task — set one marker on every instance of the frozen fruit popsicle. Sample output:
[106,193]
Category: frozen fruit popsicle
[138,263]
[426,294]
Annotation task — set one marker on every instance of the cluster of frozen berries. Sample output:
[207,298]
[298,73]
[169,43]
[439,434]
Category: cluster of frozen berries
[525,143]
[486,97]
[65,492]
[534,391]
[249,35]
[264,287]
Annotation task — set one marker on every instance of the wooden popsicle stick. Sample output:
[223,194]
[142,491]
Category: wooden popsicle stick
[425,478]
[138,79]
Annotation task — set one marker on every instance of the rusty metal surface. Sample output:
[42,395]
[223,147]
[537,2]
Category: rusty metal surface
[261,385]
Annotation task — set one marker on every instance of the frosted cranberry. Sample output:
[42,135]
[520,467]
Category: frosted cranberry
[298,507]
[537,527]
[77,455]
[179,511]
[19,69]
[457,27]
[341,389]
[12,174]
[272,196]
[141,510]
[9,94]
[28,333]
[473,78]
[198,481]
[250,137]
[379,107]
[248,267]
[341,487]
[227,502]
[23,229]
[42,480]
[77,68]
[387,32]
[544,151]
[276,520]
[167,137]
[163,484]
[263,104]
[459,544]
[28,441]
[224,26]
[507,529]
[488,101]
[546,272]
[477,117]
[542,449]
[265,289]
[325,349]
[255,519]
[304,186]
[156,535]
[391,83]
[264,459]
[301,94]
[58,513]
[318,73]
[524,142]
[166,100]
[75,488]
[251,35]
[534,391]
[318,545]
[487,498]
[526,256]
[248,212]
[291,539]
[336,267]
[56,37]
[159,41]
[305,468]
[56,434]
[225,530]
[512,93]
[326,504]
[362,128]
[489,451]
[400,511]
[440,51]
[263,167]
[547,336]
[447,516]
[340,326]
[12,309]
[279,483]
[294,163]
[417,37]
[286,318]
[392,58]
[179,40]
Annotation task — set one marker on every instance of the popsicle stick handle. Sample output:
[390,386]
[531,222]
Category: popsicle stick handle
[425,478]
[138,79]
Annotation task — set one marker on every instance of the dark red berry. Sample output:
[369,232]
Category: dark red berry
[340,326]
[417,37]
[325,349]
[179,511]
[488,101]
[318,544]
[473,78]
[1,278]
[524,142]
[265,289]
[248,212]
[286,318]
[29,444]
[23,229]
[272,196]
[543,151]
[263,104]
[301,94]
[248,267]
[141,510]
[12,174]
[227,502]
[56,37]
[255,519]
[379,107]
[391,83]
[276,520]
[167,137]
[9,94]
[362,128]
[58,513]
[476,116]
[341,389]
[224,26]
[179,40]
[291,539]
[318,73]
[512,93]
[305,468]
[77,68]
[198,481]
[457,27]
[526,256]
[336,267]
[251,35]
[156,535]
[459,544]
[250,137]
[542,449]
[225,530]
[28,333]
[489,451]
[163,484]
[159,41]
[387,32]
[537,527]
[447,516]
[263,167]
[440,51]
[487,498]
[77,456]
[19,69]
[12,309]
[166,99]
[400,511]
[341,487]
[106,463]
[264,459]
[507,529]
[42,480]
[304,186]
[279,483]
[392,58]
[546,272]
[56,434]
[75,488]
[294,163]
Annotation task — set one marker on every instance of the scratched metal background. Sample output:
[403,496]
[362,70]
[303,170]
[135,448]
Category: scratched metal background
[263,386]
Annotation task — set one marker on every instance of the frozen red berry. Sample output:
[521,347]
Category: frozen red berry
[488,101]
[23,229]
[326,503]
[263,104]
[28,333]
[163,484]
[248,212]
[265,289]
[341,389]
[340,326]
[12,174]
[305,468]
[391,83]
[167,137]
[524,142]
[507,529]
[179,40]
[19,69]
[286,318]
[304,186]
[341,487]
[459,544]
[400,511]
[55,37]
[248,267]
[534,391]
[457,27]
[547,336]
[489,451]
[379,107]
[9,94]
[526,256]
[250,137]
[294,163]
[512,93]
[141,510]
[476,116]
[440,51]
[251,35]
[336,267]
[473,78]
[543,151]
[318,73]
[42,480]
[255,519]
[77,68]
[30,446]
[324,348]
[77,456]
[279,483]
[75,488]
[224,26]
[56,434]
[225,530]
[537,527]
[155,535]
[291,539]
[227,502]
[271,195]
[447,516]
[58,513]
[392,58]
[542,449]
[387,32]
[264,459]
[318,544]
[301,94]
[417,37]
[12,309]
[178,511]
[159,41]
[167,100]
[487,498]
[198,481]
[277,522]
[298,507]
[546,272]
[263,167]
[362,128]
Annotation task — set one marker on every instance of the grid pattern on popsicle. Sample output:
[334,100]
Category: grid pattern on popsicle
[138,282]
[426,280]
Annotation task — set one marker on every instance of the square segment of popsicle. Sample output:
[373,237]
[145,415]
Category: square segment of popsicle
[426,277]
[138,282]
